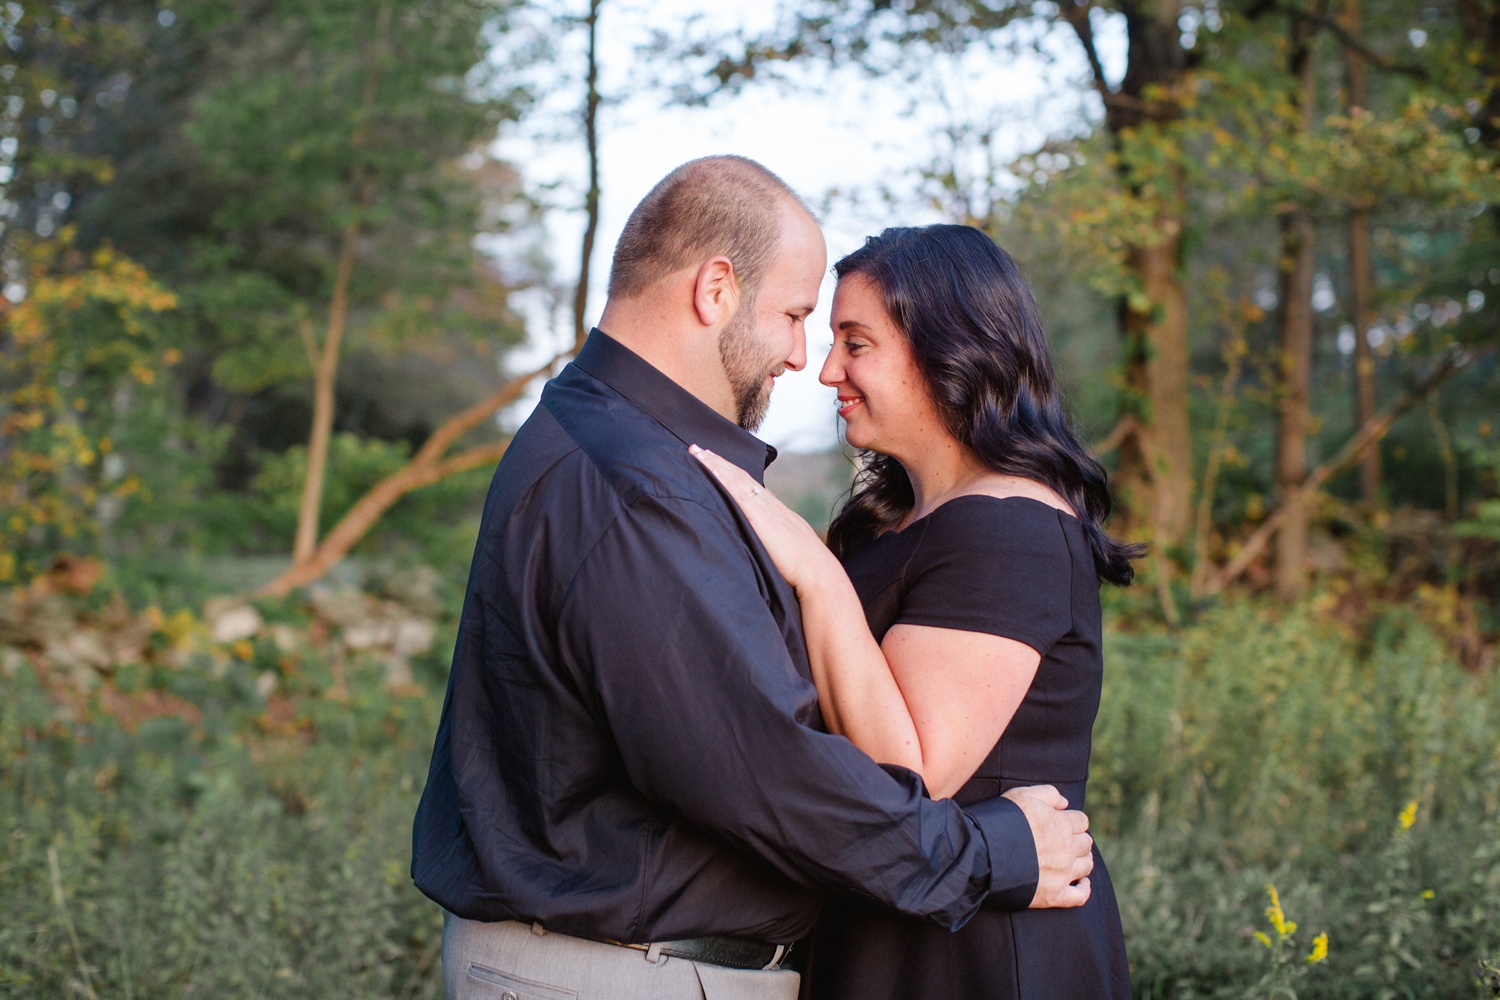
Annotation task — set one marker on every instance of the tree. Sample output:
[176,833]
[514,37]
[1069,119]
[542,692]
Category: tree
[1296,262]
[1140,115]
[1155,474]
[432,461]
[285,180]
[82,355]
[1361,270]
[335,135]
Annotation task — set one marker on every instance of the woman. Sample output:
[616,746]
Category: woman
[954,627]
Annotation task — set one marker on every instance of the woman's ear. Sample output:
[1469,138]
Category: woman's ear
[716,291]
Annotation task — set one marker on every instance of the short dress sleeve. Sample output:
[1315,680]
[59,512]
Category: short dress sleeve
[996,565]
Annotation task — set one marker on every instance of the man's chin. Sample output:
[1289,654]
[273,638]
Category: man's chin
[752,412]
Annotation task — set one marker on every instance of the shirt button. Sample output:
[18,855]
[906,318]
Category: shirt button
[508,995]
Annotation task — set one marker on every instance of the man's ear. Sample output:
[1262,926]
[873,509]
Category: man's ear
[716,291]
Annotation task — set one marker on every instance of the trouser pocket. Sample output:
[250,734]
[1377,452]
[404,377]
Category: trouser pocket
[486,983]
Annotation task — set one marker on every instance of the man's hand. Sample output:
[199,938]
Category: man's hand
[1064,849]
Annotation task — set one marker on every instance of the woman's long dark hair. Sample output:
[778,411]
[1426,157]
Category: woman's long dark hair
[977,338]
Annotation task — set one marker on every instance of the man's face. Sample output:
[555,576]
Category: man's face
[766,335]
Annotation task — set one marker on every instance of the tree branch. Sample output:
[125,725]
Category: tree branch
[1125,427]
[1344,459]
[426,467]
[1078,17]
[1347,39]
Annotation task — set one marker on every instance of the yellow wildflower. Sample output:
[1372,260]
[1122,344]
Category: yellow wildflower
[1319,949]
[180,628]
[1409,814]
[1284,928]
[1427,893]
[1262,938]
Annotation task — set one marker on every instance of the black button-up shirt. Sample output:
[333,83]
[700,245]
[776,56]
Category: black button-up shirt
[631,746]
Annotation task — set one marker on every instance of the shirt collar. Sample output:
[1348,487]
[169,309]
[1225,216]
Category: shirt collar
[672,406]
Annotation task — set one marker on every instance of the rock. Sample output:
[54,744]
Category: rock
[285,637]
[370,634]
[1325,554]
[229,620]
[340,605]
[413,636]
[79,647]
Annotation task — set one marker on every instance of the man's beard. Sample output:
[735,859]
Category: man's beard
[743,365]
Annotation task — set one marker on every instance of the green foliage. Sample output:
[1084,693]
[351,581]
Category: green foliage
[235,818]
[1355,770]
[1485,520]
[84,380]
[176,189]
[325,116]
[420,521]
[210,838]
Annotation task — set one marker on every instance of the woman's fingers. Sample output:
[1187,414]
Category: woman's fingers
[734,479]
[792,545]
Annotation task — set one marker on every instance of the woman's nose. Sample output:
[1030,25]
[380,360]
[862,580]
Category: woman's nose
[833,372]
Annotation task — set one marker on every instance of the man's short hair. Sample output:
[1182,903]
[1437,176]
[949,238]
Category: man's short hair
[727,205]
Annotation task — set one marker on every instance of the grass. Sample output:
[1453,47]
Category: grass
[188,828]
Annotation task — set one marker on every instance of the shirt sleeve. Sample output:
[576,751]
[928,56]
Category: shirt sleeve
[999,567]
[667,622]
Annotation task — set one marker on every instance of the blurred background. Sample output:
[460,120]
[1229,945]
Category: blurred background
[281,276]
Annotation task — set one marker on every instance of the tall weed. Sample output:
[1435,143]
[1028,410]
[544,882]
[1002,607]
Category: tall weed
[1264,745]
[237,839]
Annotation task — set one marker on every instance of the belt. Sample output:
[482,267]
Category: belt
[730,952]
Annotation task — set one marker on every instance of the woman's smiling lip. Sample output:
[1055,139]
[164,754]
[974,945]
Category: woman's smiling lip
[847,403]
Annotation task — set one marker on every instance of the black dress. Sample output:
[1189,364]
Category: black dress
[1017,568]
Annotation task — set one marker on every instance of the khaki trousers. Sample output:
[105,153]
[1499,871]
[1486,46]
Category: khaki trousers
[512,961]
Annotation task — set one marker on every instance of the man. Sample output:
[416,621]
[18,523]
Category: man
[631,794]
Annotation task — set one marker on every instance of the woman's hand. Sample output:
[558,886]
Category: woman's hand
[795,548]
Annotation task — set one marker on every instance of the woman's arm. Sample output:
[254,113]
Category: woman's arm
[934,700]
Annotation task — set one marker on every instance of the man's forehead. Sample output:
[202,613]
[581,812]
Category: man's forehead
[802,238]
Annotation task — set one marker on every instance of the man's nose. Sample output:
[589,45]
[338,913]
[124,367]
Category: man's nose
[797,360]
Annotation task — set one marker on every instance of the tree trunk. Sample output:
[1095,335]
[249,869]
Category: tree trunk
[1154,479]
[1293,411]
[325,361]
[325,371]
[1361,279]
[591,199]
[1156,462]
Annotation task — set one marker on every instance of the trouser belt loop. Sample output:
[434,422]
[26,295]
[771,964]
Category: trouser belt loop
[653,953]
[775,959]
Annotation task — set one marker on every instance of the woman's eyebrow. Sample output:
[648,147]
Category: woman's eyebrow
[846,324]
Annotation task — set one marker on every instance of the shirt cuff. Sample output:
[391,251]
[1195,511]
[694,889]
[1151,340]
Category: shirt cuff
[1014,870]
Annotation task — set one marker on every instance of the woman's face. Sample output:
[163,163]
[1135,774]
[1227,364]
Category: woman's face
[882,395]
